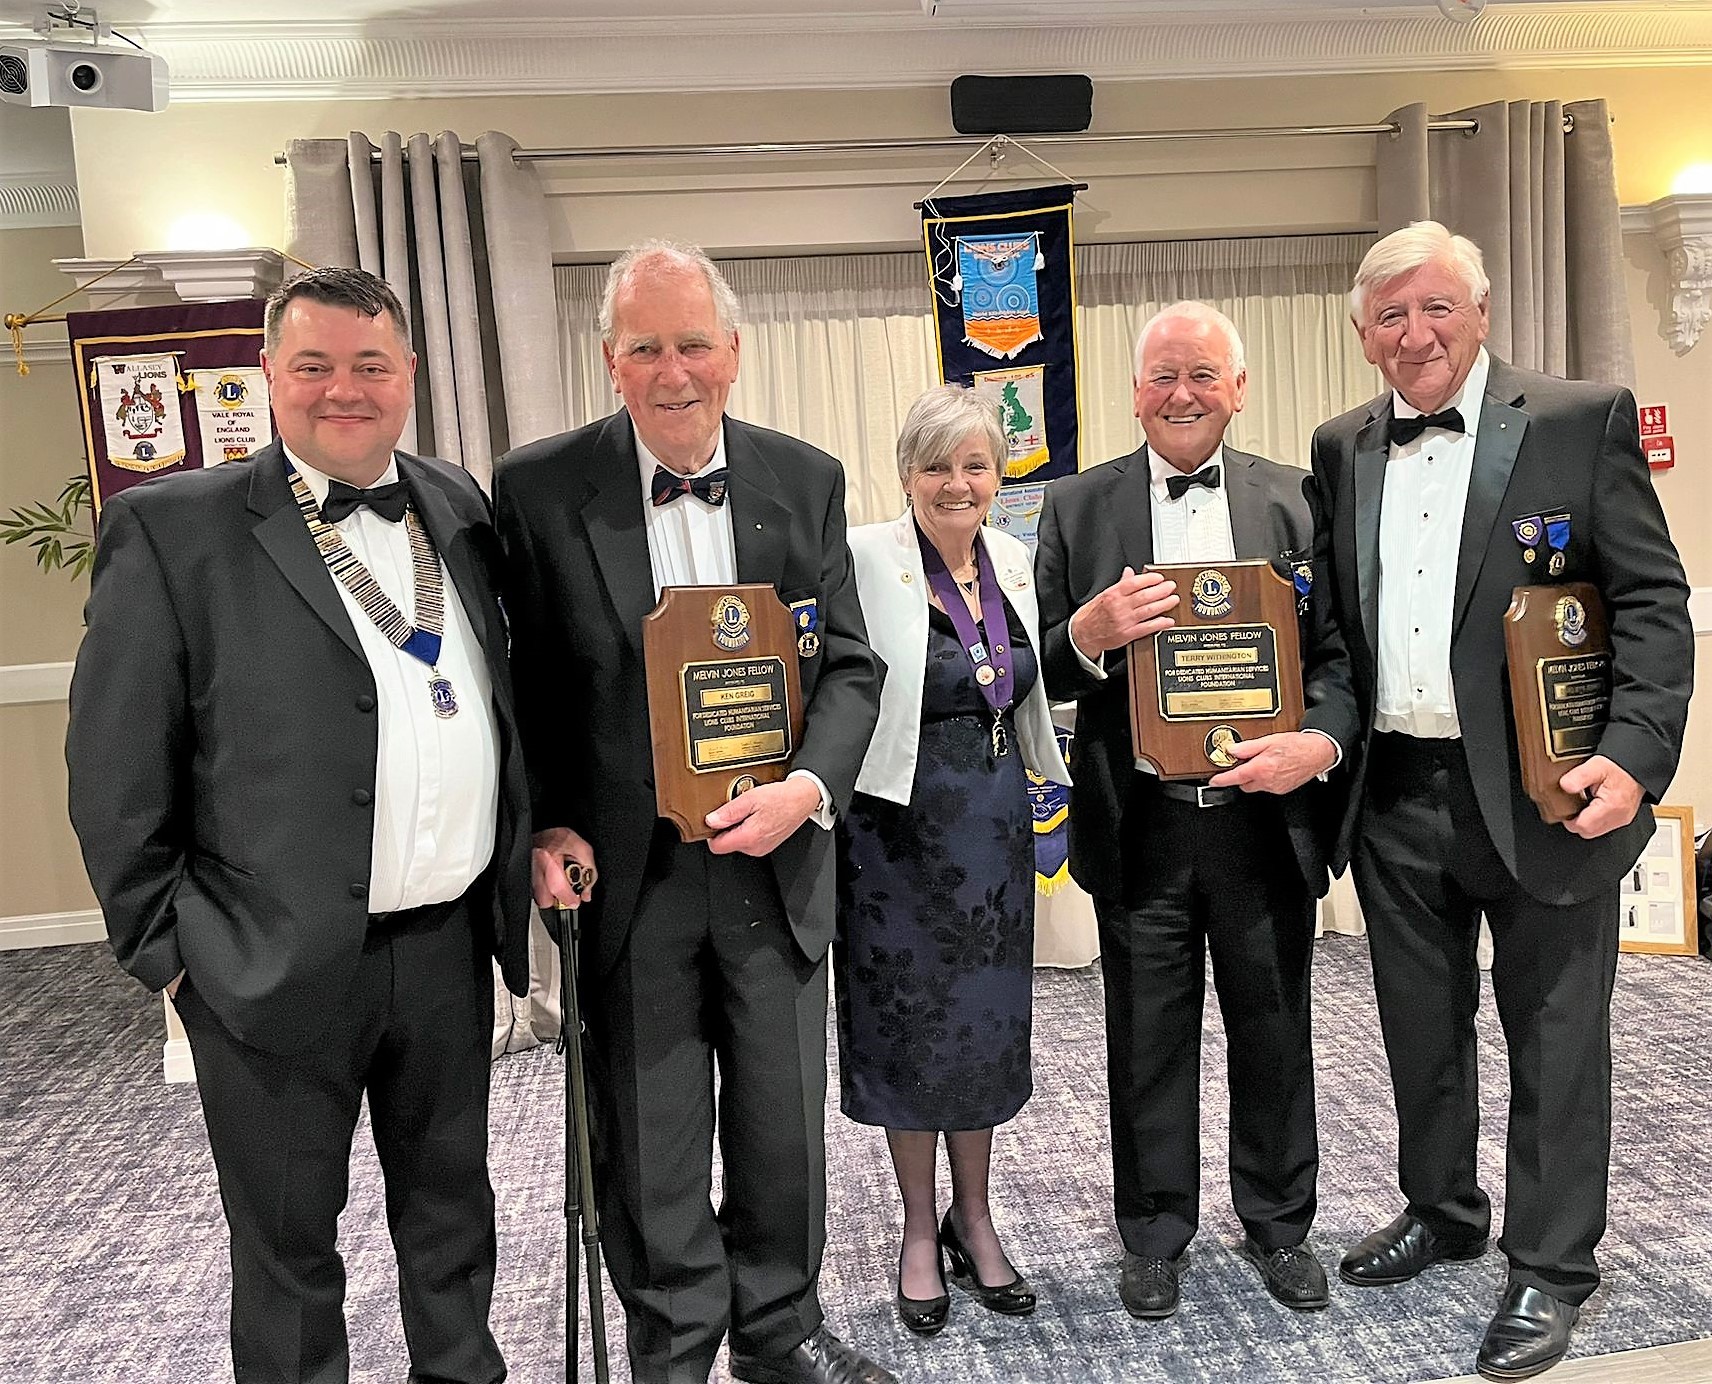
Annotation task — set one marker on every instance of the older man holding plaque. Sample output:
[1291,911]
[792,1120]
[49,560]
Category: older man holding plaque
[1178,869]
[701,952]
[1466,479]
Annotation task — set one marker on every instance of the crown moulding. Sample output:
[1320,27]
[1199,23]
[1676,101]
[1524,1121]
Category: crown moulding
[278,61]
[29,202]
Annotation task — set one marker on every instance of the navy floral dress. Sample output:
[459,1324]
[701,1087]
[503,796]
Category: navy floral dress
[935,946]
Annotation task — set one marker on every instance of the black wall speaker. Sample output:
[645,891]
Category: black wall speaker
[1043,105]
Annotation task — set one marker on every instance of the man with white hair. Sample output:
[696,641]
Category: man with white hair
[1181,869]
[1465,479]
[702,954]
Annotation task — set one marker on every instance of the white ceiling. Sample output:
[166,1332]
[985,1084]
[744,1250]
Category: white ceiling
[320,49]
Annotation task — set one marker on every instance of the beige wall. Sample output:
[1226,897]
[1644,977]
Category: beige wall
[1684,385]
[40,613]
[1247,187]
[1193,188]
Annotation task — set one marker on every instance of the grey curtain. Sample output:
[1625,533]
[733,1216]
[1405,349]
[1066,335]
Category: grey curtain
[1542,205]
[466,247]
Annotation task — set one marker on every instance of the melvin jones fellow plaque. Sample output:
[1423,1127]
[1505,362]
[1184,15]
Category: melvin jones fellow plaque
[724,699]
[1558,647]
[1230,669]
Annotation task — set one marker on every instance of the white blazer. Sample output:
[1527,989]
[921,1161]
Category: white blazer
[893,588]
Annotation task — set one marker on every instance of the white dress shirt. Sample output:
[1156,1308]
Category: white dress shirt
[436,778]
[1196,526]
[690,543]
[1420,537]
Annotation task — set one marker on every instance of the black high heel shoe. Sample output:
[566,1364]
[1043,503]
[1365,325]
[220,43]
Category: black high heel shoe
[1013,1299]
[925,1316]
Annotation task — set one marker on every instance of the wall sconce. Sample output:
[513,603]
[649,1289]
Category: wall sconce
[1682,225]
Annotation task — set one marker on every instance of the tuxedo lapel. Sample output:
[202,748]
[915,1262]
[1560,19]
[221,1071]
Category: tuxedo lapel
[1501,429]
[1132,506]
[285,538]
[1252,534]
[1372,447]
[617,533]
[760,524]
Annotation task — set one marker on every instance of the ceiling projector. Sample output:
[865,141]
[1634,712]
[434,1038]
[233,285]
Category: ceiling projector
[39,72]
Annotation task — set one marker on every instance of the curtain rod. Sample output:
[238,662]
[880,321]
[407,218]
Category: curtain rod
[859,146]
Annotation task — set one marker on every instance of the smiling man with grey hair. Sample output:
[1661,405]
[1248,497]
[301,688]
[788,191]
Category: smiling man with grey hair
[1466,479]
[1179,870]
[708,954]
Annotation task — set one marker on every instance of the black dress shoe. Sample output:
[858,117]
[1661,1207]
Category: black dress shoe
[821,1359]
[1529,1334]
[1013,1299]
[1398,1252]
[1148,1287]
[925,1316]
[1292,1275]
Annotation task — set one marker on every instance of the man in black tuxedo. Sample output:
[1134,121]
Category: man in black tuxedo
[705,952]
[311,833]
[1467,478]
[1178,869]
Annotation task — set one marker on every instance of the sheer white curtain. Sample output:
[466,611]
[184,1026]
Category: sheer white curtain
[834,348]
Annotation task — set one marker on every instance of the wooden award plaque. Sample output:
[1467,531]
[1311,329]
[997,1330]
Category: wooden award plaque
[724,698]
[1558,646]
[1230,669]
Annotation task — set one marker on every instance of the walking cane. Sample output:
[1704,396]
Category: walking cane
[579,1166]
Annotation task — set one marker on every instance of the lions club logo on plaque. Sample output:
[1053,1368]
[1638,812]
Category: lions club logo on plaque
[730,624]
[1570,617]
[1211,594]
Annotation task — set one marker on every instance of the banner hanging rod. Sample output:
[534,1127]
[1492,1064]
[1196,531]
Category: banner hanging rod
[950,142]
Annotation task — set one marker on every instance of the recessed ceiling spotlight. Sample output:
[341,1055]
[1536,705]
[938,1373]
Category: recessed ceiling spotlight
[1461,11]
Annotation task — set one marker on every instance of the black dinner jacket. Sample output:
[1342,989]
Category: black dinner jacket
[1544,446]
[223,741]
[1093,525]
[570,517]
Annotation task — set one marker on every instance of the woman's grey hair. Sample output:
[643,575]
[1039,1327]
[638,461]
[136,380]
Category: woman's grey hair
[941,420]
[1417,244]
[684,256]
[1190,311]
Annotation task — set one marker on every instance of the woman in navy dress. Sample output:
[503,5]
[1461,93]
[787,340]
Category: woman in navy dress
[936,853]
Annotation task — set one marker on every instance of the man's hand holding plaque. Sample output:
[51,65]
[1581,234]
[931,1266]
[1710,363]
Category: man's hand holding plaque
[1228,671]
[1558,648]
[725,711]
[1133,607]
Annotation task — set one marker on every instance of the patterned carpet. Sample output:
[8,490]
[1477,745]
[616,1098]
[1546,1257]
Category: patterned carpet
[112,1252]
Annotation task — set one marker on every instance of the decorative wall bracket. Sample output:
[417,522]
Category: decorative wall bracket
[1682,226]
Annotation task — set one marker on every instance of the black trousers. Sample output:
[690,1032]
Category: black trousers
[709,973]
[411,1031]
[1219,879]
[1425,870]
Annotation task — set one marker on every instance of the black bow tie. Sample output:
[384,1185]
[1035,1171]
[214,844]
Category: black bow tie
[1178,486]
[706,485]
[1402,431]
[388,501]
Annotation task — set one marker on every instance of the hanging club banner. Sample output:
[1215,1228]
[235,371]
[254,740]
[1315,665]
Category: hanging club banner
[1049,804]
[139,407]
[1002,270]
